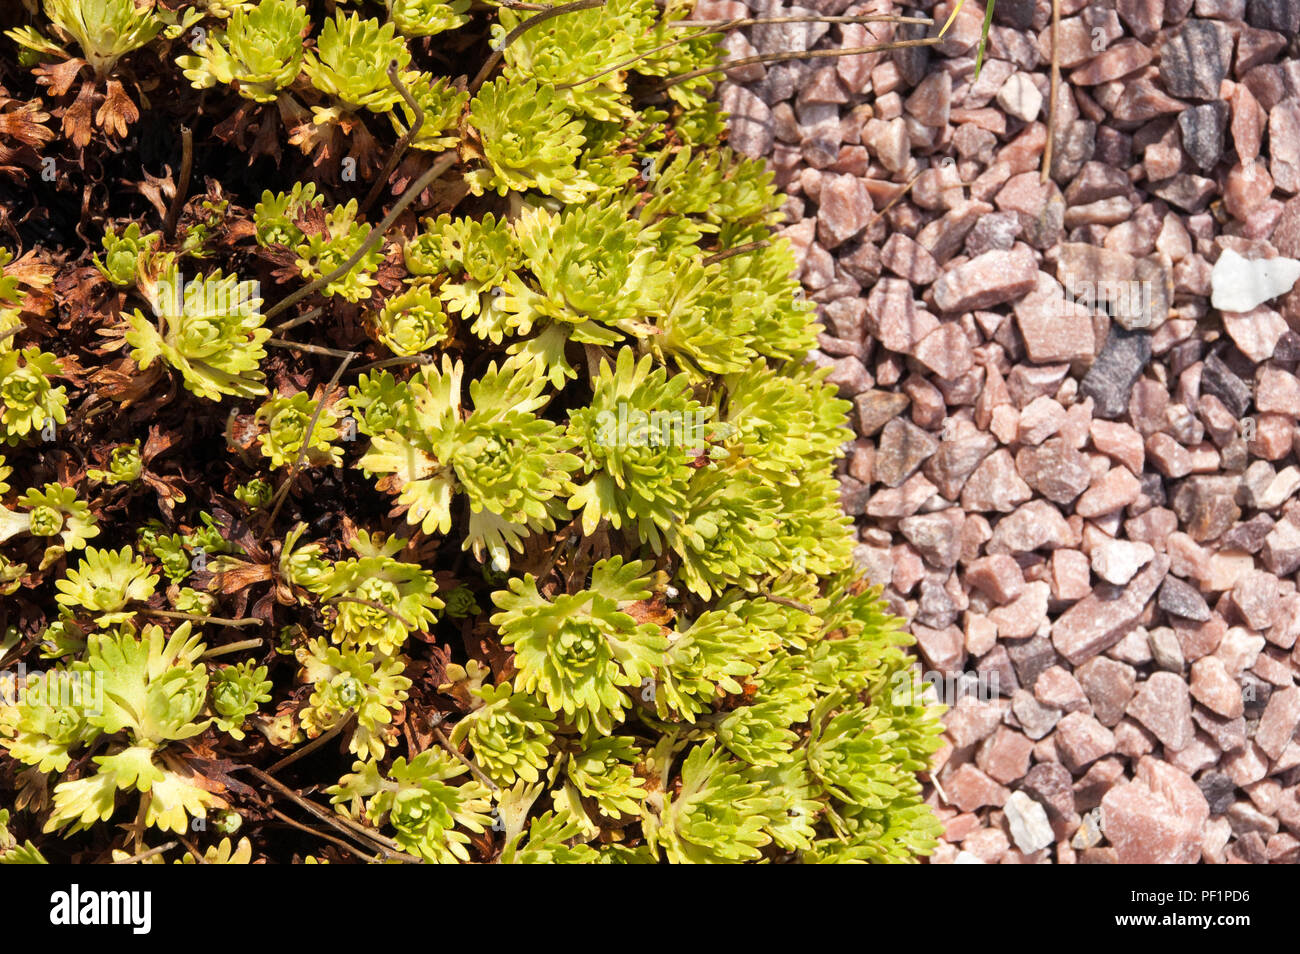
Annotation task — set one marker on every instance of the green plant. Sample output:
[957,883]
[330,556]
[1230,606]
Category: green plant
[256,493]
[236,692]
[598,277]
[260,51]
[529,141]
[28,401]
[327,246]
[352,684]
[53,511]
[286,419]
[378,599]
[509,733]
[105,30]
[105,582]
[640,438]
[125,254]
[350,60]
[578,651]
[124,465]
[440,107]
[153,690]
[426,813]
[512,464]
[210,330]
[169,550]
[518,503]
[412,322]
[718,816]
[12,853]
[428,17]
[12,297]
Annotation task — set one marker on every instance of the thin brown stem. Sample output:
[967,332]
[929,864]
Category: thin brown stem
[194,852]
[738,250]
[389,362]
[283,491]
[1055,88]
[302,319]
[310,747]
[815,18]
[399,148]
[145,855]
[196,618]
[338,822]
[351,849]
[794,55]
[898,198]
[497,50]
[473,769]
[376,236]
[389,847]
[726,26]
[793,604]
[310,348]
[182,184]
[632,61]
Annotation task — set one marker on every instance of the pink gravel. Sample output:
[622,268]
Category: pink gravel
[1072,473]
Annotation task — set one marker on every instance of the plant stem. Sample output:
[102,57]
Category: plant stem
[310,348]
[795,55]
[400,147]
[389,362]
[310,747]
[373,605]
[377,234]
[351,849]
[182,185]
[302,319]
[195,617]
[336,821]
[492,61]
[283,491]
[473,769]
[760,21]
[232,648]
[739,249]
[141,856]
[1055,87]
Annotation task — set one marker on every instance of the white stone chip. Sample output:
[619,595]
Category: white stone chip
[1240,284]
[1020,97]
[1028,823]
[1117,561]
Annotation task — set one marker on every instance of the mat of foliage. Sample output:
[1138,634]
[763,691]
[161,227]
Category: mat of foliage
[409,454]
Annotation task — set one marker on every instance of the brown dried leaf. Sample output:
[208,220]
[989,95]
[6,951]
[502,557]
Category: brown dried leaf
[59,77]
[243,576]
[76,121]
[118,111]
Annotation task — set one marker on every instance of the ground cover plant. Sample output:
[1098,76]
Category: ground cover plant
[409,453]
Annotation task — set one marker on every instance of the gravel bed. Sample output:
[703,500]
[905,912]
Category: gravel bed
[1076,401]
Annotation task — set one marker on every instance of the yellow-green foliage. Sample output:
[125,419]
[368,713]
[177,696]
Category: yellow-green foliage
[582,590]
